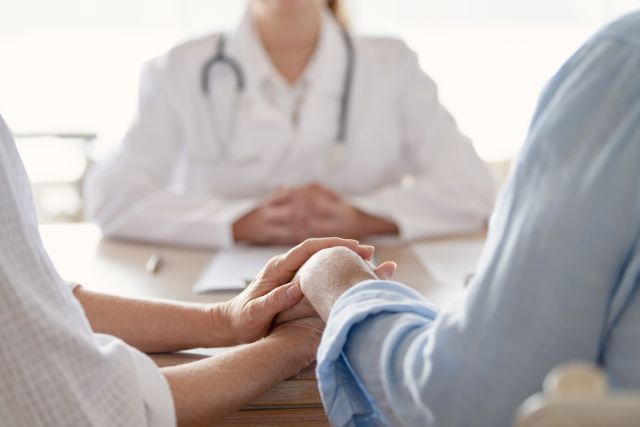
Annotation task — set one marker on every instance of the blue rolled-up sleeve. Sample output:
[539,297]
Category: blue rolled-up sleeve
[345,393]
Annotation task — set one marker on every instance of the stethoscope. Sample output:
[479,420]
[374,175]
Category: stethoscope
[220,58]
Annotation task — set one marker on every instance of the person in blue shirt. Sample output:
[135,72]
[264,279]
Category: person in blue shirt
[557,280]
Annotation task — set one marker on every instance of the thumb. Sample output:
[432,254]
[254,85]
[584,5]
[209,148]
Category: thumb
[385,270]
[279,299]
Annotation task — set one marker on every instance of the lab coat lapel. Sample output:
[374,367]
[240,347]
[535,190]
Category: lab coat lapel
[246,47]
[325,76]
[326,70]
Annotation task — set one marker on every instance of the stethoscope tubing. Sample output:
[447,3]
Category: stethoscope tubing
[221,58]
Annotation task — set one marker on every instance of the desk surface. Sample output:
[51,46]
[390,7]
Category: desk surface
[80,254]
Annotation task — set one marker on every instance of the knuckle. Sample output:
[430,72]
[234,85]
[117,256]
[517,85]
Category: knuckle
[275,262]
[339,251]
[268,300]
[312,241]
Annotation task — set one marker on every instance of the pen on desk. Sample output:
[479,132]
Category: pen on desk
[468,278]
[153,263]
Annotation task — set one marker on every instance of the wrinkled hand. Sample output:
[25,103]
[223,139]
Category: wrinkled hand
[250,315]
[301,310]
[303,336]
[331,272]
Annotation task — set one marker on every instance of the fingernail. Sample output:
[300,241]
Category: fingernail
[294,292]
[371,250]
[391,270]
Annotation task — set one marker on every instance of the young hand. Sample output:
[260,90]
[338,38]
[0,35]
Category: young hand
[273,222]
[290,215]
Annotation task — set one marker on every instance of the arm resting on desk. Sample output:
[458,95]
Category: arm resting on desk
[205,390]
[212,388]
[209,389]
[163,326]
[155,326]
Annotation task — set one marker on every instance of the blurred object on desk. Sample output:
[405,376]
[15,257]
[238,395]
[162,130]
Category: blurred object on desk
[450,261]
[233,268]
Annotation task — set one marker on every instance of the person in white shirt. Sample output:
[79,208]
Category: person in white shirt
[62,365]
[285,128]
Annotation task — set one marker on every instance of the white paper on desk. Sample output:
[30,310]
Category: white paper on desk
[230,268]
[450,261]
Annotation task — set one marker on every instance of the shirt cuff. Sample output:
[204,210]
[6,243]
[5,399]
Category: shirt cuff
[346,400]
[226,219]
[72,285]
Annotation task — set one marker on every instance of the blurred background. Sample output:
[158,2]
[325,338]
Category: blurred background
[69,69]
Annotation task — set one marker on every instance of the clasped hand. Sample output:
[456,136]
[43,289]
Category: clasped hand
[275,305]
[291,215]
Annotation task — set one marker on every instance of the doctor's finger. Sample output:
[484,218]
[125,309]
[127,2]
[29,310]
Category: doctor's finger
[278,197]
[282,214]
[324,207]
[326,191]
[315,190]
[281,234]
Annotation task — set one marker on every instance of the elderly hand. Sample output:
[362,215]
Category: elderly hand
[302,337]
[330,272]
[250,315]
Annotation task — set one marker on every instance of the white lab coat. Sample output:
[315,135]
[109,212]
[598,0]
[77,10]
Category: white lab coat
[169,182]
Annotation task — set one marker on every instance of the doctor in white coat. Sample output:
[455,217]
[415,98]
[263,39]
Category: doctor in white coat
[289,127]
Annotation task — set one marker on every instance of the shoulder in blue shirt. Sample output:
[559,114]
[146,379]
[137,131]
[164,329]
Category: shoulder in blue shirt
[558,279]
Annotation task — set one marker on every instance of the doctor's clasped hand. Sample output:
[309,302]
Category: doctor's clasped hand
[233,129]
[291,215]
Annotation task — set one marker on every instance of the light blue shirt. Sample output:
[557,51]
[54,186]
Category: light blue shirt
[557,280]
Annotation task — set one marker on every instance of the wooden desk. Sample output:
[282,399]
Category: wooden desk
[80,254]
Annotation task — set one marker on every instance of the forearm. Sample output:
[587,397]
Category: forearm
[212,388]
[155,326]
[433,206]
[141,209]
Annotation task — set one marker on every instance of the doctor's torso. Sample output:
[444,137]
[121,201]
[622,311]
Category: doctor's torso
[273,134]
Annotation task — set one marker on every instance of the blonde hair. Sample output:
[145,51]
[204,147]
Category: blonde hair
[337,10]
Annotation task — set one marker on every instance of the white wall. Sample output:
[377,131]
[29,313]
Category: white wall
[73,64]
